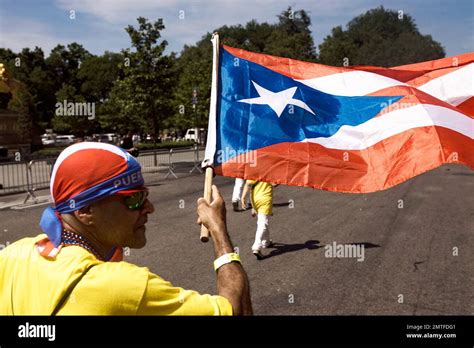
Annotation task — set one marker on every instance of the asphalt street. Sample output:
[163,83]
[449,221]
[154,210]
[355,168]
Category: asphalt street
[418,242]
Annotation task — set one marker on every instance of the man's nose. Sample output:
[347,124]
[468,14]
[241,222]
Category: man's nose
[147,208]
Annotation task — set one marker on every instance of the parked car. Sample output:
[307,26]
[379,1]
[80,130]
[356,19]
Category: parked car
[65,140]
[191,135]
[48,140]
[109,138]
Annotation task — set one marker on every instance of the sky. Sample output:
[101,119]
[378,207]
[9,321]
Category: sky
[99,24]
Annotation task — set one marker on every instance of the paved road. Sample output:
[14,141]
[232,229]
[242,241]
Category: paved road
[409,232]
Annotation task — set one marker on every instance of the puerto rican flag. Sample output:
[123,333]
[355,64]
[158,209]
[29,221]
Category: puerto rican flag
[345,129]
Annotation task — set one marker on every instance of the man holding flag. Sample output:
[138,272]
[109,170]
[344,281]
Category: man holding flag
[100,207]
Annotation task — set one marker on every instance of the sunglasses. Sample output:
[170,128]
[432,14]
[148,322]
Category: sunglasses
[134,201]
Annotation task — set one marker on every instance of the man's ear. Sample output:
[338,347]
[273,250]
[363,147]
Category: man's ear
[84,215]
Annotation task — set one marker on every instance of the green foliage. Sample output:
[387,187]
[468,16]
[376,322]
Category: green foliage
[56,150]
[290,37]
[98,74]
[22,103]
[64,63]
[194,71]
[48,152]
[142,98]
[30,68]
[166,145]
[379,37]
[142,89]
[79,125]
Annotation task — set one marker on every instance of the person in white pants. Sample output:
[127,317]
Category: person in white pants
[262,204]
[238,185]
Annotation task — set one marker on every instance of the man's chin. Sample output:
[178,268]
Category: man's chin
[139,238]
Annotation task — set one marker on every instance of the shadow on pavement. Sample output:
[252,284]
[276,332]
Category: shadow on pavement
[366,245]
[280,248]
[285,204]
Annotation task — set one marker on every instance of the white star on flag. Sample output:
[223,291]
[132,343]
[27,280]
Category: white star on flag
[276,100]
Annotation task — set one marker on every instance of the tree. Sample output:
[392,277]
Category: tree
[142,98]
[379,37]
[22,103]
[64,63]
[290,37]
[75,124]
[43,78]
[30,68]
[98,74]
[193,69]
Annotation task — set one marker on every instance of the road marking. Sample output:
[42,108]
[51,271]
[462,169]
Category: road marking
[31,205]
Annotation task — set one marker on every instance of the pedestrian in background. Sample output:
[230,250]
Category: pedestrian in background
[261,196]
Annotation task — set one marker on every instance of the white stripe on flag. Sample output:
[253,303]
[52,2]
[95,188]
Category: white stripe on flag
[379,128]
[351,83]
[212,124]
[453,88]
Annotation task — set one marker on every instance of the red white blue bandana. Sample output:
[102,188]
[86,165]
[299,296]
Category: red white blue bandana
[84,173]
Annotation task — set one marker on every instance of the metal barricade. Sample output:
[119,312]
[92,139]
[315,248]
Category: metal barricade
[13,177]
[18,177]
[171,166]
[197,163]
[38,176]
[153,161]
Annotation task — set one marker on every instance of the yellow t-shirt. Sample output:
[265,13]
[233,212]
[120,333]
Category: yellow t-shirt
[31,284]
[262,197]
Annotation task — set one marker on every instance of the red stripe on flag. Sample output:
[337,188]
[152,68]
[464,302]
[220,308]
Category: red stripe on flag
[384,165]
[413,74]
[467,107]
[442,63]
[292,68]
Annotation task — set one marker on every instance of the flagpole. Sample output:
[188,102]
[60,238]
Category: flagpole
[208,161]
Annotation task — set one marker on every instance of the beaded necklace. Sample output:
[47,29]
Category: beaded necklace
[71,238]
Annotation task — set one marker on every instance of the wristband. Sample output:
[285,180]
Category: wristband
[225,259]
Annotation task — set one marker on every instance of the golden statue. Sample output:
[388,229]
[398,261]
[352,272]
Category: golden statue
[9,85]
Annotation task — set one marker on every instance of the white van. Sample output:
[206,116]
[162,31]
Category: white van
[191,135]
